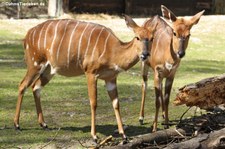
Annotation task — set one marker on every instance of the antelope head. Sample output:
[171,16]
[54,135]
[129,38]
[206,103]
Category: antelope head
[181,29]
[143,38]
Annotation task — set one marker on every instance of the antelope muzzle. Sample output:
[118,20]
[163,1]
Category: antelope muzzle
[144,56]
[181,51]
[145,53]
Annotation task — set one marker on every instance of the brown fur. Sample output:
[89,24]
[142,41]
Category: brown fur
[170,42]
[72,48]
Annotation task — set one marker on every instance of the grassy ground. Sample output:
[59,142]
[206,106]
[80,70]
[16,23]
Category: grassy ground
[65,102]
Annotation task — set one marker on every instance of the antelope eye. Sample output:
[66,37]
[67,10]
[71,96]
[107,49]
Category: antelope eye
[174,34]
[138,38]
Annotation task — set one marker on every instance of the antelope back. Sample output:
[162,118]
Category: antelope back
[67,44]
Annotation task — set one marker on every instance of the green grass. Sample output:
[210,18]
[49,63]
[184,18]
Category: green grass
[65,101]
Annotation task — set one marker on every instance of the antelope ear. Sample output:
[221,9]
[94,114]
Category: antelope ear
[168,14]
[153,24]
[153,28]
[194,20]
[130,22]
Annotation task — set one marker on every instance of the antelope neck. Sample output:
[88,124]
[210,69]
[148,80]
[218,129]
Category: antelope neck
[126,56]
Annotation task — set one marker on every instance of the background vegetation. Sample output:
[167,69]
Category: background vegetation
[65,101]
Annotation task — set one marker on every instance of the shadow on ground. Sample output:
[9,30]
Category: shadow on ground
[111,130]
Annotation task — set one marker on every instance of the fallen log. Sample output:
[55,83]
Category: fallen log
[205,94]
[199,132]
[194,143]
[215,139]
[159,137]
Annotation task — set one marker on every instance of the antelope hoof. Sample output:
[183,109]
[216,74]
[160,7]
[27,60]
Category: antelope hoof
[141,121]
[95,139]
[44,126]
[17,127]
[125,139]
[153,129]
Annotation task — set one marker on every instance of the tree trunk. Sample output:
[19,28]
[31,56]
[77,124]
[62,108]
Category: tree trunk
[66,6]
[205,94]
[55,8]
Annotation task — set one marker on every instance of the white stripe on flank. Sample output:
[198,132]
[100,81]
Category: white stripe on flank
[79,44]
[39,38]
[34,32]
[106,41]
[89,40]
[93,52]
[27,46]
[62,38]
[55,34]
[46,31]
[68,52]
[30,36]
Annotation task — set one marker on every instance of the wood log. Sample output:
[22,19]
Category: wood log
[182,137]
[215,139]
[163,136]
[205,94]
[194,143]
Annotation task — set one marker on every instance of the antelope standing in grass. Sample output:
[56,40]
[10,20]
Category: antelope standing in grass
[170,42]
[72,48]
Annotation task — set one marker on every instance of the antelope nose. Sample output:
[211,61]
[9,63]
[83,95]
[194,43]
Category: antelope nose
[144,55]
[181,54]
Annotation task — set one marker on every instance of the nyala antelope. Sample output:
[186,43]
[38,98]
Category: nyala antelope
[168,48]
[72,48]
